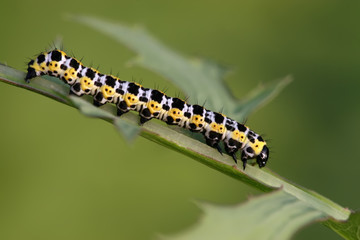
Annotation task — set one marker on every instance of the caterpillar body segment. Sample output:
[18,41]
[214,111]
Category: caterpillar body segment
[151,103]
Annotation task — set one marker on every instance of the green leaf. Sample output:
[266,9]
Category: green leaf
[349,229]
[51,88]
[192,76]
[127,129]
[263,179]
[201,80]
[259,97]
[90,110]
[274,216]
[210,77]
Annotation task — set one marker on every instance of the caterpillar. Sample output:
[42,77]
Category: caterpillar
[151,103]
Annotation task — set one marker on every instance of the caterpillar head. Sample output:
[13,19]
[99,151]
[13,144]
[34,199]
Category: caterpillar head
[256,149]
[262,158]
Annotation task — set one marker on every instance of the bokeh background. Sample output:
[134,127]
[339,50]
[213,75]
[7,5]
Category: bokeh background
[65,176]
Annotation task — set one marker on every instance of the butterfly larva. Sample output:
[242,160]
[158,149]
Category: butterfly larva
[150,104]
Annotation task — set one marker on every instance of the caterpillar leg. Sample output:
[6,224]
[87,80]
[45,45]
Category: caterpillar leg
[121,108]
[98,99]
[143,120]
[104,95]
[71,93]
[215,132]
[96,103]
[231,147]
[214,144]
[234,157]
[244,158]
[75,90]
[145,115]
[232,154]
[150,110]
[244,163]
[219,149]
[120,112]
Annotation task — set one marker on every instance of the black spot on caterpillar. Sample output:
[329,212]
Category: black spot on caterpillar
[151,103]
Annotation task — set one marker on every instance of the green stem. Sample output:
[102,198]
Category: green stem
[262,179]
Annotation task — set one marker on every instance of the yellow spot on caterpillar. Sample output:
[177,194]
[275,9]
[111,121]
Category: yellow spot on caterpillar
[239,136]
[153,106]
[176,113]
[219,128]
[39,67]
[197,120]
[257,146]
[130,99]
[86,83]
[70,74]
[36,66]
[107,91]
[54,66]
[213,126]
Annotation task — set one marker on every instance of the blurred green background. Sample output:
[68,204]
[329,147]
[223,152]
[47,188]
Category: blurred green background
[65,176]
